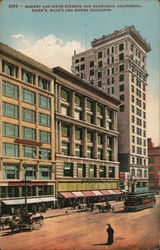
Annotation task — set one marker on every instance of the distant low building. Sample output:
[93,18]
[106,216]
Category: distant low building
[154,166]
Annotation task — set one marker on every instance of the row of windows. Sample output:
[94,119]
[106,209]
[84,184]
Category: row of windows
[12,171]
[27,151]
[92,170]
[66,150]
[139,150]
[12,130]
[137,53]
[11,90]
[138,160]
[139,140]
[79,112]
[28,115]
[139,173]
[26,76]
[15,191]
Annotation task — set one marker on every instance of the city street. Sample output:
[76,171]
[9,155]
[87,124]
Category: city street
[87,230]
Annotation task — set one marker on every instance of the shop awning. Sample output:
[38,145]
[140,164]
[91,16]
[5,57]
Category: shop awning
[97,193]
[88,193]
[21,201]
[111,191]
[105,192]
[78,194]
[117,191]
[47,199]
[67,195]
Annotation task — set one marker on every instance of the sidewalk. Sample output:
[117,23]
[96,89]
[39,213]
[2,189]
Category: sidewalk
[68,210]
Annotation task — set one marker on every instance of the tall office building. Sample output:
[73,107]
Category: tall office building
[117,64]
[26,130]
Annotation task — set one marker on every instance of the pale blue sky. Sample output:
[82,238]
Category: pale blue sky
[71,26]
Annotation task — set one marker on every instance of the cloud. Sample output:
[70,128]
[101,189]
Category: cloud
[50,50]
[20,37]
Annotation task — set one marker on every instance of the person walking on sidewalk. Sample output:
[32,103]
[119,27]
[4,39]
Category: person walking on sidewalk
[110,232]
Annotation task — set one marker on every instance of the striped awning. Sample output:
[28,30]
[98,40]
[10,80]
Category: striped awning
[78,194]
[88,193]
[67,195]
[97,193]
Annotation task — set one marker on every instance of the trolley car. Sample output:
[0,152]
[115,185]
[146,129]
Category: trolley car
[139,201]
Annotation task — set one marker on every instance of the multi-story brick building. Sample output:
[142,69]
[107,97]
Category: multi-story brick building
[56,130]
[117,63]
[154,166]
[26,129]
[86,137]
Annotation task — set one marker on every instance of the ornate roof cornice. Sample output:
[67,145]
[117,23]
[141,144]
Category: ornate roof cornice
[130,30]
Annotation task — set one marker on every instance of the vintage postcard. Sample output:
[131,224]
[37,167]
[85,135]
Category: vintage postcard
[79,124]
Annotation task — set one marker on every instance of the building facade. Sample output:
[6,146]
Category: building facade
[26,128]
[117,63]
[154,166]
[86,136]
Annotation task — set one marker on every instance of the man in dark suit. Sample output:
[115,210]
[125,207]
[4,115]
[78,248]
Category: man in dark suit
[110,232]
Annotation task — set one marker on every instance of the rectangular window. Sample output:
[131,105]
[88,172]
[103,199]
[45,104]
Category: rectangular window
[10,149]
[99,84]
[10,130]
[30,172]
[28,151]
[44,102]
[10,171]
[28,96]
[111,172]
[28,115]
[28,133]
[78,100]
[44,173]
[121,78]
[78,134]
[65,110]
[102,171]
[28,77]
[100,64]
[89,136]
[121,56]
[99,74]
[92,173]
[65,148]
[82,66]
[112,79]
[121,97]
[44,83]
[121,67]
[112,49]
[10,69]
[108,62]
[121,88]
[100,139]
[44,154]
[65,130]
[10,110]
[10,90]
[100,154]
[77,61]
[81,170]
[89,152]
[44,136]
[99,54]
[78,114]
[78,150]
[91,64]
[112,70]
[65,95]
[91,73]
[108,51]
[121,108]
[44,119]
[112,59]
[68,169]
[121,46]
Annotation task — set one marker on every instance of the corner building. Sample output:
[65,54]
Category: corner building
[117,64]
[86,137]
[26,129]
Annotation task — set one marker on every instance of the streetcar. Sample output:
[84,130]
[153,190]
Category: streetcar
[139,201]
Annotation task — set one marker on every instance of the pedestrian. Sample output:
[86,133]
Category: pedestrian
[110,232]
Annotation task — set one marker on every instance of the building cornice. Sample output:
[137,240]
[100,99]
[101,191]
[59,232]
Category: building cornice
[128,30]
[84,84]
[18,56]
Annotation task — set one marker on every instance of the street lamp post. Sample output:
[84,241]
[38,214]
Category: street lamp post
[25,183]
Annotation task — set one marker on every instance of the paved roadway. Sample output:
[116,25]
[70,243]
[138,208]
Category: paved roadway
[86,230]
